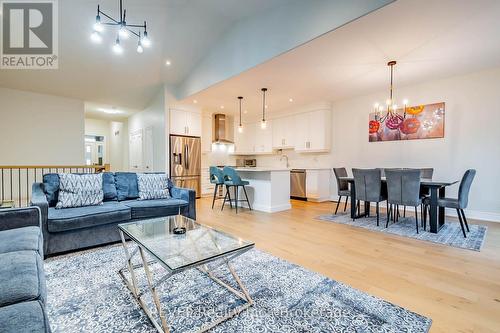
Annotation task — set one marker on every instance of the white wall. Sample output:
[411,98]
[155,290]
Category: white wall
[118,146]
[472,136]
[38,129]
[153,116]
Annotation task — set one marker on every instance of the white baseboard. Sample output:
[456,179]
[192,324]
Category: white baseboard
[268,209]
[472,214]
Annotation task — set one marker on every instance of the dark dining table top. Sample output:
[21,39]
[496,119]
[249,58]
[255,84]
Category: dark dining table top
[423,181]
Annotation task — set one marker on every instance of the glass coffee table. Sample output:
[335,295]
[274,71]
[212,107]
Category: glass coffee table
[155,242]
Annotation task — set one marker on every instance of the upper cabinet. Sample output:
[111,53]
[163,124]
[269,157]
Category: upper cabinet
[284,133]
[307,132]
[254,140]
[184,122]
[313,131]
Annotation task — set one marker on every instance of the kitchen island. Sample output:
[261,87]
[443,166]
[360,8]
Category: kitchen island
[269,189]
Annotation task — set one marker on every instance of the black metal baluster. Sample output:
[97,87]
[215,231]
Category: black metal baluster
[27,186]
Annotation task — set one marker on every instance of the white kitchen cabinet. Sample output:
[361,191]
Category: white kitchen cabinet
[206,134]
[318,184]
[243,142]
[184,122]
[263,138]
[313,131]
[284,132]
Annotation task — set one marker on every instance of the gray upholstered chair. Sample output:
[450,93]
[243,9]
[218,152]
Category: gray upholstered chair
[459,203]
[403,189]
[342,187]
[368,185]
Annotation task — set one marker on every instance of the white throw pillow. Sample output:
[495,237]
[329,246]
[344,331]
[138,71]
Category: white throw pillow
[79,190]
[152,186]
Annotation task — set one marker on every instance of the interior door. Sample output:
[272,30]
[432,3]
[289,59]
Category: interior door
[135,151]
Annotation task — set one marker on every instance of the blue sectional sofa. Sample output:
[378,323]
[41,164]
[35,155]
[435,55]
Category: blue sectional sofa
[22,279]
[77,228]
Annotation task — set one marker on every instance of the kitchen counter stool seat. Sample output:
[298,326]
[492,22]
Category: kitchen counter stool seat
[233,179]
[217,178]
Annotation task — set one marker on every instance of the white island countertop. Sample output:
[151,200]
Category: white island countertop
[261,169]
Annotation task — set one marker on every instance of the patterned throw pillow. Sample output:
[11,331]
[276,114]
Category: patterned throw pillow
[79,190]
[153,186]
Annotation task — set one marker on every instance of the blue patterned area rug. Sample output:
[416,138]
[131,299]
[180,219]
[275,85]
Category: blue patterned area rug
[86,294]
[450,234]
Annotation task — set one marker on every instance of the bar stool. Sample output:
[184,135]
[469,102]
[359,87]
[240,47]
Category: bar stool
[217,178]
[233,179]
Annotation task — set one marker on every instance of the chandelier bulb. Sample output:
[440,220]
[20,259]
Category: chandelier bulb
[117,47]
[97,25]
[96,37]
[140,49]
[145,39]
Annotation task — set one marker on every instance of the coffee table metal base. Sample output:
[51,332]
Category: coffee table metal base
[162,326]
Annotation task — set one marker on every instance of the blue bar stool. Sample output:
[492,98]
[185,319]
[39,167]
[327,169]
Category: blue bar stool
[217,178]
[233,179]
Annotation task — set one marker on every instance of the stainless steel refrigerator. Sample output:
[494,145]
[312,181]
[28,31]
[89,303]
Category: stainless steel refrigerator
[185,162]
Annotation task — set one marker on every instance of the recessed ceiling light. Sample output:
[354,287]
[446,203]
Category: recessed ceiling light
[110,111]
[266,106]
[246,111]
[168,63]
[222,106]
[195,101]
[290,100]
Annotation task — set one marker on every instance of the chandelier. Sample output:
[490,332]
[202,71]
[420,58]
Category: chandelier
[388,114]
[124,30]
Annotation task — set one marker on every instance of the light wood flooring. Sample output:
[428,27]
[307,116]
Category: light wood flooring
[459,289]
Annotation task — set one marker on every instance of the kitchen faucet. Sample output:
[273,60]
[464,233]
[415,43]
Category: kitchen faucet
[286,157]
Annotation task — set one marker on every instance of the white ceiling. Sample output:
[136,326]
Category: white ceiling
[181,30]
[429,39]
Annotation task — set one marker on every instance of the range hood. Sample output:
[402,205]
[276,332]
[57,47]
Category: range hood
[221,128]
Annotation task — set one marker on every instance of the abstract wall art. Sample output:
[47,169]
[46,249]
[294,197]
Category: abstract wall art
[407,123]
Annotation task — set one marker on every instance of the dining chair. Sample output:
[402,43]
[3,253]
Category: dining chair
[459,203]
[216,178]
[233,179]
[368,184]
[342,187]
[403,189]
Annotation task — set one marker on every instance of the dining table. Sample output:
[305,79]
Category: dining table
[437,189]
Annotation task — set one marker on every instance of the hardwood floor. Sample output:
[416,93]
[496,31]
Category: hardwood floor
[459,289]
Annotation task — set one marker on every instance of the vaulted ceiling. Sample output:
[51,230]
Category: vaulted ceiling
[429,39]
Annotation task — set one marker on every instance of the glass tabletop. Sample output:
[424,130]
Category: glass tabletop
[199,244]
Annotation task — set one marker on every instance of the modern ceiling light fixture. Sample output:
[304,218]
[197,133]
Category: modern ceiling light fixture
[124,30]
[240,127]
[391,116]
[263,123]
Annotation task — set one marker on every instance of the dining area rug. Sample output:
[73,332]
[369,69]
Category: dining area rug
[450,234]
[86,294]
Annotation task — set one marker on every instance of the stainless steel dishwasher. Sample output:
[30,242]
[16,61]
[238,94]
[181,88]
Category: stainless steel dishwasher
[298,184]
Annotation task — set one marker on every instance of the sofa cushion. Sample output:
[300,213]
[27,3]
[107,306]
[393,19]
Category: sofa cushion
[51,188]
[153,186]
[21,239]
[24,317]
[126,185]
[21,277]
[155,208]
[80,190]
[85,217]
[109,187]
